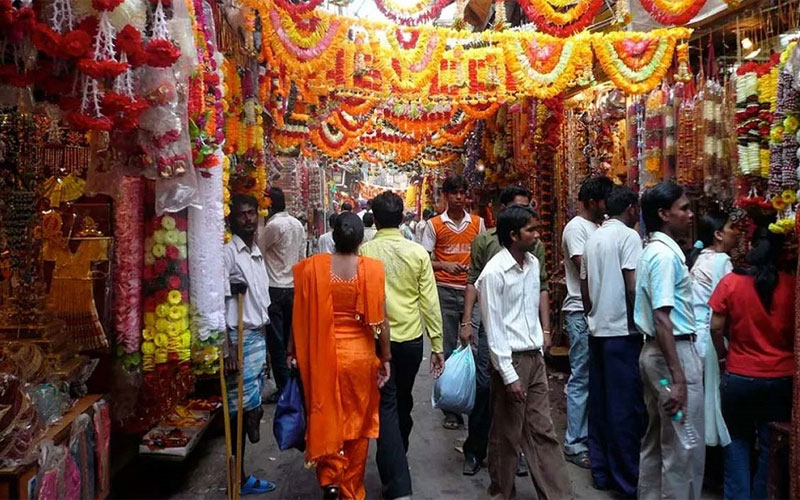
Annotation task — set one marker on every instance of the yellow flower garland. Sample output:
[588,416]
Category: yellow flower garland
[652,72]
[430,45]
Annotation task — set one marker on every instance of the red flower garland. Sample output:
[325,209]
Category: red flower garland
[161,53]
[663,17]
[84,122]
[106,5]
[102,69]
[298,8]
[558,30]
[76,43]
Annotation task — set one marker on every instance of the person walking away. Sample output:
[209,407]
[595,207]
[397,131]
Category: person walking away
[338,311]
[325,243]
[369,226]
[407,227]
[427,214]
[246,276]
[591,209]
[756,306]
[709,263]
[484,247]
[448,238]
[282,242]
[509,294]
[664,314]
[608,288]
[410,296]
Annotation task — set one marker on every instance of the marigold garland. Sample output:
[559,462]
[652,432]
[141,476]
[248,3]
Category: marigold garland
[410,68]
[651,70]
[559,23]
[676,12]
[544,66]
[418,13]
[480,111]
[298,7]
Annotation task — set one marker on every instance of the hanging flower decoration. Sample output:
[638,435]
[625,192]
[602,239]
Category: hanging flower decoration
[298,8]
[482,111]
[555,18]
[673,12]
[166,334]
[637,62]
[545,66]
[412,58]
[419,13]
[331,140]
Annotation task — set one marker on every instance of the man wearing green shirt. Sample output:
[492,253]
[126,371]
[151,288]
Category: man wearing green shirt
[484,247]
[410,297]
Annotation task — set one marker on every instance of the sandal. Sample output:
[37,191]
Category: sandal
[255,486]
[452,423]
[580,459]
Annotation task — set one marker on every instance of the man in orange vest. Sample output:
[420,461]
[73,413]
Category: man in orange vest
[448,238]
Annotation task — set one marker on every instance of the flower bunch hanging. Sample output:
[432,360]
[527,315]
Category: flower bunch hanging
[166,334]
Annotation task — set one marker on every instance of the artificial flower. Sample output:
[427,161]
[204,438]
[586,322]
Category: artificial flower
[161,53]
[778,203]
[159,250]
[561,23]
[174,282]
[148,334]
[168,223]
[173,252]
[789,196]
[148,348]
[162,311]
[100,69]
[106,5]
[673,12]
[172,237]
[161,340]
[160,266]
[175,297]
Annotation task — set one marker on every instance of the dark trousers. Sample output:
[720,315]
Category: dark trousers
[279,332]
[749,404]
[480,419]
[397,402]
[525,427]
[617,416]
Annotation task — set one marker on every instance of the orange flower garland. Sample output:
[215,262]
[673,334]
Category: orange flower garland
[480,111]
[627,59]
[675,12]
[550,18]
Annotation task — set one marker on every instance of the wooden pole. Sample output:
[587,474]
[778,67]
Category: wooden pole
[229,462]
[240,393]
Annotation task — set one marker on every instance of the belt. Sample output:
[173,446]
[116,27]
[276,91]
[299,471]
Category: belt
[687,337]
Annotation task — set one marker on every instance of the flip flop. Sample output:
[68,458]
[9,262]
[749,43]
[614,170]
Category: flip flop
[452,425]
[255,486]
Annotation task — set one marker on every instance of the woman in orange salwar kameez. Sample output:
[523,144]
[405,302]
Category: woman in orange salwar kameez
[338,310]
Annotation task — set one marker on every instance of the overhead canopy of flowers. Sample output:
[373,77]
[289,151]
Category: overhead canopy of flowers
[356,57]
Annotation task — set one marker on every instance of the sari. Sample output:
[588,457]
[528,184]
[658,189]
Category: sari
[333,322]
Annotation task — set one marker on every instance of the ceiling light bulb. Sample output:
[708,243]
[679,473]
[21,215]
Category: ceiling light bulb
[747,44]
[480,167]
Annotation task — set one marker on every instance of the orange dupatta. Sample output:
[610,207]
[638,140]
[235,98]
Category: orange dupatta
[315,345]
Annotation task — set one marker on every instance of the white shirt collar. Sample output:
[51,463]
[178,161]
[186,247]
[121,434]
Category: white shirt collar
[508,262]
[446,218]
[240,245]
[611,221]
[670,243]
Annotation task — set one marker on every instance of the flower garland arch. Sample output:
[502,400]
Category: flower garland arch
[544,66]
[673,12]
[409,64]
[630,61]
[551,18]
[420,12]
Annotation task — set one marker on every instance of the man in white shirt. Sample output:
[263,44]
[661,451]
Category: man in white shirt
[246,277]
[509,295]
[422,224]
[282,241]
[591,209]
[617,416]
[369,227]
[325,242]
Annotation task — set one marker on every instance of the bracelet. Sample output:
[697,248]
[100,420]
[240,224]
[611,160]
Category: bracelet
[466,323]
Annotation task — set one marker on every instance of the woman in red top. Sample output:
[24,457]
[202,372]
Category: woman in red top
[755,305]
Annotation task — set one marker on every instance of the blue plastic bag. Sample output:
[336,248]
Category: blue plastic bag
[289,425]
[454,390]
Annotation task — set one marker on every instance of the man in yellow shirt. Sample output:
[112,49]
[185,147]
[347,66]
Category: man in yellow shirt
[410,297]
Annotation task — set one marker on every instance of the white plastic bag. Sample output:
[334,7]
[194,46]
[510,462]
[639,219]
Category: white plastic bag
[454,391]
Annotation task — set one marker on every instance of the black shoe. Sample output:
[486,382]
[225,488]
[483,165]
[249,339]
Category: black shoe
[471,466]
[330,492]
[522,466]
[273,398]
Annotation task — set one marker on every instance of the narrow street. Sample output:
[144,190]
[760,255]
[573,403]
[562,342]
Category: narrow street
[435,463]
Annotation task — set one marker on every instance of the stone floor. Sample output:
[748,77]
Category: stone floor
[435,463]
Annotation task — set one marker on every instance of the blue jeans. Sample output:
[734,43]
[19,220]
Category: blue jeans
[577,435]
[749,404]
